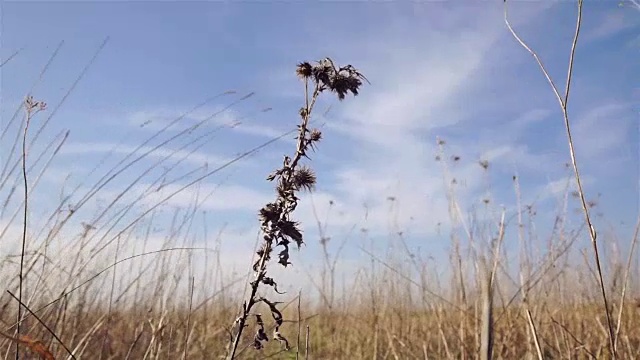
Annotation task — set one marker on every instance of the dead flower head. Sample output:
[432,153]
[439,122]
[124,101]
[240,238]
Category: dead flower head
[339,80]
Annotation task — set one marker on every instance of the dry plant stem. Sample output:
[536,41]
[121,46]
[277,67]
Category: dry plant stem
[299,323]
[488,281]
[268,245]
[188,330]
[534,332]
[306,344]
[626,281]
[32,107]
[486,332]
[563,105]
[274,217]
[525,267]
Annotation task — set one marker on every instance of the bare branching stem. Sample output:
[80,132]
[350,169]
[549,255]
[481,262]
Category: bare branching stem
[563,101]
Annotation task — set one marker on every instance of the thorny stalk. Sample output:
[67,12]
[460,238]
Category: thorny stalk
[563,100]
[32,107]
[276,226]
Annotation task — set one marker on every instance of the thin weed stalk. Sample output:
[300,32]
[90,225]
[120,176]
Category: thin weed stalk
[32,107]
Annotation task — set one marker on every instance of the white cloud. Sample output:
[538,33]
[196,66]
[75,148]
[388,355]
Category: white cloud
[529,118]
[612,22]
[560,186]
[603,129]
[414,91]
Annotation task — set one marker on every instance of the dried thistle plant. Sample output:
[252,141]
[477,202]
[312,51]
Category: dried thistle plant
[277,227]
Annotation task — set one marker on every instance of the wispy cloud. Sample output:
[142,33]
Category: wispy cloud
[604,129]
[613,22]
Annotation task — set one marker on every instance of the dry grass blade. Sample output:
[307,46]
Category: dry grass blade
[625,281]
[534,333]
[5,61]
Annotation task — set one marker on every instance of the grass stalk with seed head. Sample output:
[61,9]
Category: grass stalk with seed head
[32,107]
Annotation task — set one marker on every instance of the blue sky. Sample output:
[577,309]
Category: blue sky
[437,69]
